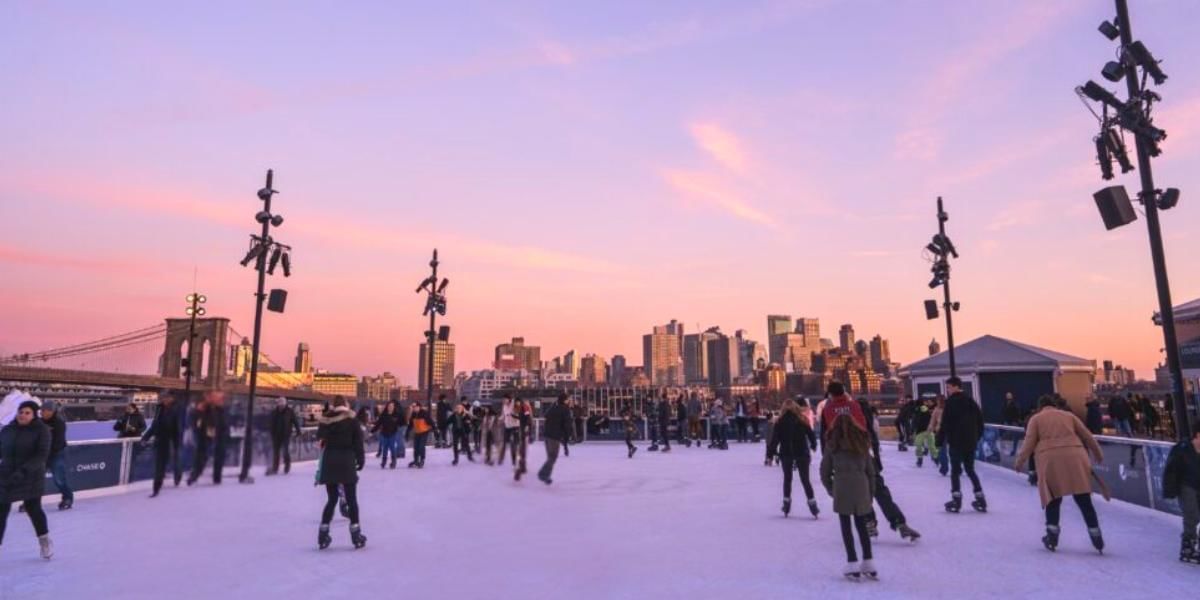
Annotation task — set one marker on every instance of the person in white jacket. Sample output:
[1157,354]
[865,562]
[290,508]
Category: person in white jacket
[512,429]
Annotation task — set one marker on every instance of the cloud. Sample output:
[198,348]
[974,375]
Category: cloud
[703,187]
[871,253]
[722,145]
[921,143]
[1019,214]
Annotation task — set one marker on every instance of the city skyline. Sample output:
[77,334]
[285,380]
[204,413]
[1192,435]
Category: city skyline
[120,188]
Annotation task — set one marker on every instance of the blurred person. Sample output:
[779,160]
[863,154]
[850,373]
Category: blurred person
[56,462]
[694,410]
[627,421]
[387,425]
[1181,480]
[558,431]
[132,423]
[459,425]
[283,423]
[210,430]
[421,424]
[167,437]
[512,429]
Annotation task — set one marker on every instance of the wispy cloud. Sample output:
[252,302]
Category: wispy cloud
[721,144]
[871,253]
[706,188]
[1023,213]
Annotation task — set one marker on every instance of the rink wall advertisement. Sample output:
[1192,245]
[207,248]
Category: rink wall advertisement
[90,466]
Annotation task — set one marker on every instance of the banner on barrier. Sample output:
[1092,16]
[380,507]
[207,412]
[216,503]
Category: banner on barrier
[90,466]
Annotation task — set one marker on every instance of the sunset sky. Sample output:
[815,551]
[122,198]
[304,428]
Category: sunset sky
[586,170]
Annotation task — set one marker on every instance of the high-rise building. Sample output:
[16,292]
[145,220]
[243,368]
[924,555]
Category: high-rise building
[303,358]
[570,364]
[335,384]
[750,354]
[811,330]
[934,347]
[695,355]
[777,325]
[443,365]
[662,352]
[616,374]
[794,355]
[592,370]
[881,355]
[723,360]
[846,337]
[378,388]
[516,355]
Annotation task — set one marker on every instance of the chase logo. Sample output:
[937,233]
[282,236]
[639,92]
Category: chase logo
[96,466]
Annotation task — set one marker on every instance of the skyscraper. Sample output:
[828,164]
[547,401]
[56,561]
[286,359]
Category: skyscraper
[516,355]
[443,365]
[592,370]
[777,325]
[750,353]
[846,337]
[616,374]
[723,360]
[303,358]
[881,355]
[662,351]
[811,330]
[570,364]
[695,355]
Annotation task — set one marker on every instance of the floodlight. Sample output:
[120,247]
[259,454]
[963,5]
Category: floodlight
[1110,29]
[1142,57]
[1168,199]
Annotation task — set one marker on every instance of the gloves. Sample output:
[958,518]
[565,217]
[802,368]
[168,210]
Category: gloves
[359,467]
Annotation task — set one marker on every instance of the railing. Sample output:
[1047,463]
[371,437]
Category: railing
[1132,467]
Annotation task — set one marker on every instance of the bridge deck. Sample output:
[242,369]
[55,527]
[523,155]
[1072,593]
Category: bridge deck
[689,524]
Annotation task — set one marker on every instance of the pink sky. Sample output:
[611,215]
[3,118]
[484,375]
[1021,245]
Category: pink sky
[586,172]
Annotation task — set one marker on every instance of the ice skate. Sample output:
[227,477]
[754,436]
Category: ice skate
[1097,539]
[393,465]
[903,448]
[812,507]
[323,539]
[980,502]
[1188,552]
[787,506]
[872,528]
[47,547]
[1050,540]
[955,503]
[356,537]
[868,570]
[66,504]
[920,461]
[544,479]
[653,448]
[412,464]
[908,533]
[852,571]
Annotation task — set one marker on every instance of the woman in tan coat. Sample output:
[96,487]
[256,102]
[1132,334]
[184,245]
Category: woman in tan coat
[1060,445]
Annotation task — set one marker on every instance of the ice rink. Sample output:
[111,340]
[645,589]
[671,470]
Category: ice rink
[694,523]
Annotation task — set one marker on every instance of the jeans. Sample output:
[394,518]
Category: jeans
[960,462]
[1189,504]
[1084,501]
[1124,428]
[58,469]
[389,444]
[790,464]
[33,508]
[860,524]
[943,459]
[547,469]
[510,443]
[400,435]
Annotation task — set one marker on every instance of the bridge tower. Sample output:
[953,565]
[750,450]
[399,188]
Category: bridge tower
[212,334]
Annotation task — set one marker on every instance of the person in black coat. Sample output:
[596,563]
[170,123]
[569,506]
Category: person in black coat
[664,422]
[210,430]
[1094,418]
[131,424]
[388,425]
[283,423]
[681,420]
[961,428]
[342,457]
[792,439]
[883,494]
[559,424]
[166,434]
[459,424]
[24,449]
[57,461]
[442,414]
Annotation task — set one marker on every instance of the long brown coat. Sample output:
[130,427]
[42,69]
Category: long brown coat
[850,479]
[1060,444]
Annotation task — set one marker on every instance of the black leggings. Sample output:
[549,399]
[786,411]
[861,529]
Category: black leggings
[791,463]
[860,523]
[33,508]
[960,463]
[629,440]
[1083,501]
[331,490]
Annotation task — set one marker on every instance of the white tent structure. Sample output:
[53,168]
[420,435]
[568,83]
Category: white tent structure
[8,406]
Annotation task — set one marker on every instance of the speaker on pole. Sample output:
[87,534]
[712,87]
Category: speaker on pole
[1115,207]
[444,333]
[277,300]
[931,309]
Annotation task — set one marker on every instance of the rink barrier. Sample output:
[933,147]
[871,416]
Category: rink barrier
[1132,467]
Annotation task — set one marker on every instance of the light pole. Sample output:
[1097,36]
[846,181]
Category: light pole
[1134,116]
[193,310]
[435,304]
[261,246]
[941,249]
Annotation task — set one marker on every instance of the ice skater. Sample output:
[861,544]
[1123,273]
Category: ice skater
[512,429]
[210,430]
[664,422]
[56,464]
[630,429]
[1181,480]
[283,423]
[792,439]
[883,495]
[961,428]
[387,425]
[342,457]
[166,434]
[558,430]
[460,426]
[1060,444]
[848,474]
[718,423]
[421,424]
[24,450]
[524,414]
[922,420]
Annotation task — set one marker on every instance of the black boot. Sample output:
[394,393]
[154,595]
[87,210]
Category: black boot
[356,537]
[812,507]
[908,533]
[955,503]
[1050,540]
[980,503]
[1188,552]
[1097,539]
[323,539]
[787,506]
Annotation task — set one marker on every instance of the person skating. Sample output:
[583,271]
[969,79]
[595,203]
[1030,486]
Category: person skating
[694,410]
[630,429]
[166,435]
[1060,444]
[935,424]
[493,428]
[652,429]
[904,416]
[681,420]
[387,425]
[740,414]
[883,494]
[664,422]
[962,426]
[524,414]
[1181,480]
[792,439]
[756,415]
[477,413]
[442,416]
[839,403]
[283,423]
[56,463]
[131,424]
[24,451]
[848,475]
[210,430]
[460,426]
[421,424]
[718,422]
[922,425]
[558,430]
[512,428]
[342,457]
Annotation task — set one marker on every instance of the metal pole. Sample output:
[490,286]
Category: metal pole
[947,307]
[431,335]
[1148,197]
[187,375]
[260,296]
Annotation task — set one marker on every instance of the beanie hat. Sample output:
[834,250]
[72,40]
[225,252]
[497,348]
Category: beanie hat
[48,405]
[30,404]
[281,401]
[836,389]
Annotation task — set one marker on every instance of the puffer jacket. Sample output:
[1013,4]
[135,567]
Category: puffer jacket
[24,450]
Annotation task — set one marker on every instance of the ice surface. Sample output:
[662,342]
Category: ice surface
[692,524]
